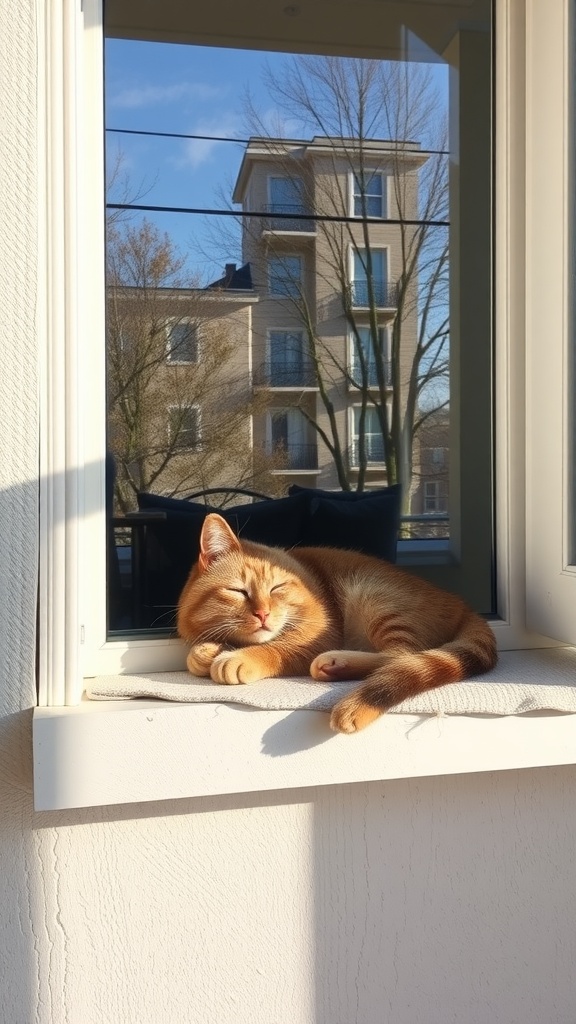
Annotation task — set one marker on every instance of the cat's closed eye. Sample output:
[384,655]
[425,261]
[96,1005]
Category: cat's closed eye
[238,590]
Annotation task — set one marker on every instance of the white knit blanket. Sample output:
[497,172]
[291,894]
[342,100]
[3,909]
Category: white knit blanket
[522,681]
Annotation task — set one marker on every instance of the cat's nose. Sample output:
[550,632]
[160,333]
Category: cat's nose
[262,615]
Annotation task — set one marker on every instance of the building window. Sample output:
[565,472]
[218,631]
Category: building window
[368,196]
[285,276]
[287,364]
[369,438]
[184,426]
[288,438]
[182,342]
[370,289]
[365,355]
[432,496]
[285,195]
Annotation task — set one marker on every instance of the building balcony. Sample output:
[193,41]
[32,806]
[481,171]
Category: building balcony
[356,379]
[295,457]
[285,378]
[384,295]
[288,219]
[374,446]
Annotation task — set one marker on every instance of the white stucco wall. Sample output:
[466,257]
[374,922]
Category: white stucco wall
[424,902]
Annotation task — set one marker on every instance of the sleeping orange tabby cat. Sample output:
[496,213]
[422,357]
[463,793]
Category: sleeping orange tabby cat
[251,612]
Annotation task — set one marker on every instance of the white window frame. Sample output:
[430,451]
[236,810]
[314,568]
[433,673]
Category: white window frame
[550,571]
[168,327]
[353,435]
[531,207]
[354,194]
[356,249]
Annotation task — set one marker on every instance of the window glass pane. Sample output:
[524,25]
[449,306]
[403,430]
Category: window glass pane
[284,275]
[182,342]
[307,297]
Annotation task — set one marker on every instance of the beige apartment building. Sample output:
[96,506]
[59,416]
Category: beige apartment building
[274,374]
[327,287]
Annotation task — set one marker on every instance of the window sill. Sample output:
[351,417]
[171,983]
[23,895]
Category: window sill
[113,752]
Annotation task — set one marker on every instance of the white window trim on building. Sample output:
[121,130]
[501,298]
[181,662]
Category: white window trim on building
[536,583]
[354,193]
[353,409]
[355,250]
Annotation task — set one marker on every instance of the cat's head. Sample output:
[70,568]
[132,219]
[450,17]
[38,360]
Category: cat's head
[240,593]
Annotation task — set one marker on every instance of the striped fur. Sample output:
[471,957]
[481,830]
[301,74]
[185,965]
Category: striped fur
[250,612]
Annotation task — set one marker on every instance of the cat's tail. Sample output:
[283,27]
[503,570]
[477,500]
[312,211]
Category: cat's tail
[471,652]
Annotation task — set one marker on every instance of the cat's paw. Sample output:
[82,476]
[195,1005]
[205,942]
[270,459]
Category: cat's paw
[337,665]
[351,714]
[201,656]
[330,665]
[234,667]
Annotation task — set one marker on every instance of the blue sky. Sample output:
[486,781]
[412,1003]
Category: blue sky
[191,90]
[186,89]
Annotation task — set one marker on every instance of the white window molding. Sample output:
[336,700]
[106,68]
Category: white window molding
[147,750]
[550,568]
[355,192]
[71,272]
[373,438]
[358,293]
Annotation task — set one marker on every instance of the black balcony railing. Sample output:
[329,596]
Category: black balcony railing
[371,375]
[288,217]
[285,377]
[374,449]
[382,294]
[296,456]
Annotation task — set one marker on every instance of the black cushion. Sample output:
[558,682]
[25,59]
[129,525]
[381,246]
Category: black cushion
[365,521]
[173,543]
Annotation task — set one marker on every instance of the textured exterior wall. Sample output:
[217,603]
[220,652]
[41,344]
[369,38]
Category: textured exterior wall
[424,902]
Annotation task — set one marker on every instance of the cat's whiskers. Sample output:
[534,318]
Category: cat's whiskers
[218,632]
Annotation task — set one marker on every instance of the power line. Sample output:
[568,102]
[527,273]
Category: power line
[316,217]
[245,142]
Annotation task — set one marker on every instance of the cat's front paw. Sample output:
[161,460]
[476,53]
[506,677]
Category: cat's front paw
[201,656]
[234,667]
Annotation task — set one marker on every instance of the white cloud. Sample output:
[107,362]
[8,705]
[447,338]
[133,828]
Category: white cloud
[151,95]
[198,151]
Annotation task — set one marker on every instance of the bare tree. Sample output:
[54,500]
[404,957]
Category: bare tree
[179,408]
[368,117]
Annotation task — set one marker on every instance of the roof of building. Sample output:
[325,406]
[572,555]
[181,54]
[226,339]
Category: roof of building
[269,149]
[235,278]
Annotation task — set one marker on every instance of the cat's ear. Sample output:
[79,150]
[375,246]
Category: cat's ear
[216,539]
